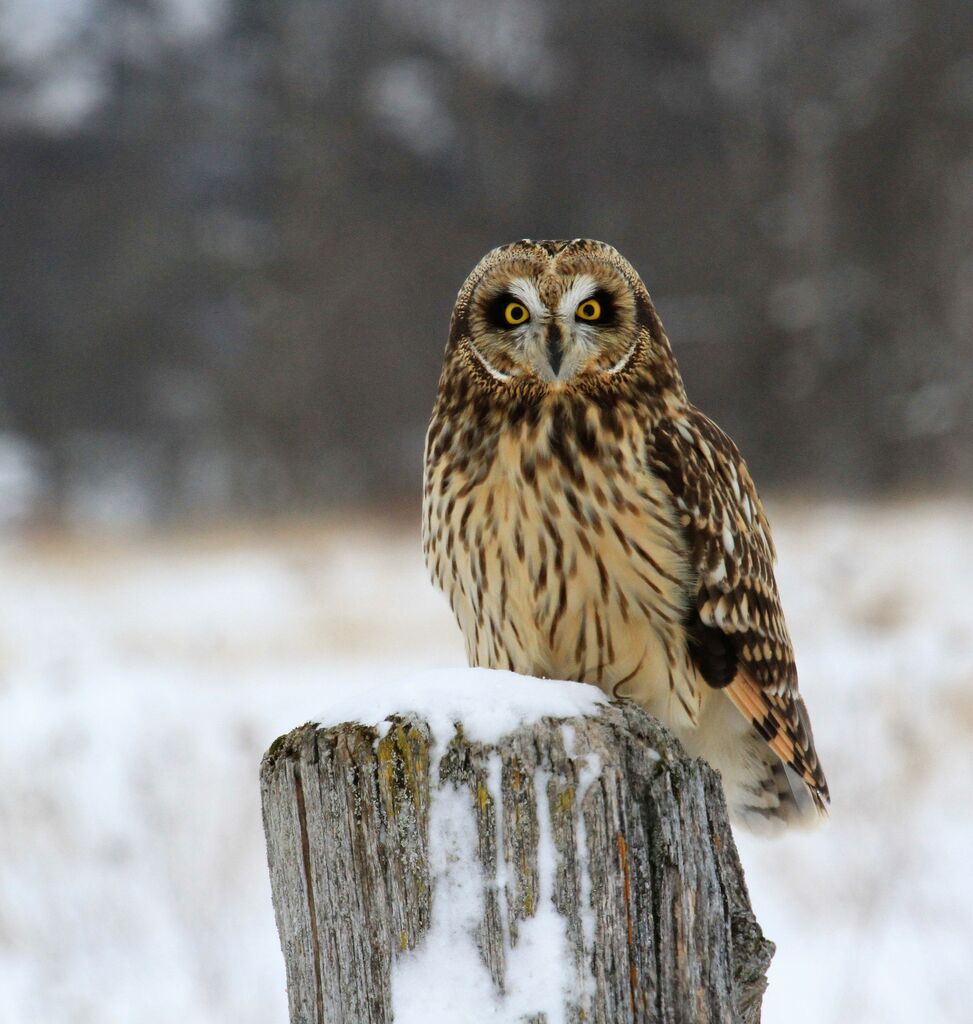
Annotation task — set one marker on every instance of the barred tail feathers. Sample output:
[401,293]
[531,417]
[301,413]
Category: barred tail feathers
[763,794]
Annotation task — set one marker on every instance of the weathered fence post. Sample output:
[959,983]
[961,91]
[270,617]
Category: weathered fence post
[601,824]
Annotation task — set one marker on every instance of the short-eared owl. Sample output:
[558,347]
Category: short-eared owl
[586,522]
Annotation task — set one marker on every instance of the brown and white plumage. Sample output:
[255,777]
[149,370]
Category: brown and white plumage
[586,522]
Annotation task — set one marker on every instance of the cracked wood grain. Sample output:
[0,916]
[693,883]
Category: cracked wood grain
[647,878]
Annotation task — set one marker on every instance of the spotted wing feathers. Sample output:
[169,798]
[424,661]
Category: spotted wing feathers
[737,628]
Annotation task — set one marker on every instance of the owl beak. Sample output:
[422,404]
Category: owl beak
[555,347]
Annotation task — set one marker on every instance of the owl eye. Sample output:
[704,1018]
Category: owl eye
[516,313]
[589,310]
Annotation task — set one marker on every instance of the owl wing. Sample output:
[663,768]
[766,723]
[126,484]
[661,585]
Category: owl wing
[737,632]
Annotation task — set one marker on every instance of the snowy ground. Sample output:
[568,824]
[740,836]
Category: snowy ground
[140,682]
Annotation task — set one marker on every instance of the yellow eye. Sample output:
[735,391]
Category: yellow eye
[590,309]
[516,313]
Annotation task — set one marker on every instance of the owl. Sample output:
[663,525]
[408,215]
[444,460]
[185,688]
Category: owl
[586,522]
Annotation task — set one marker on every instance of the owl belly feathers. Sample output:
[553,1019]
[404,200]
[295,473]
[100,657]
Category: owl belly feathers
[571,567]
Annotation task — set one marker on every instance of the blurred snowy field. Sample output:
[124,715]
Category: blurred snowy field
[141,681]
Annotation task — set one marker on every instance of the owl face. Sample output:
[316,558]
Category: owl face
[552,316]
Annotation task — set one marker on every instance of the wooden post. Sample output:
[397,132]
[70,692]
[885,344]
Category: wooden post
[656,918]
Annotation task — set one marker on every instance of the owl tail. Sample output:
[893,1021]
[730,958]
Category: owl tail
[762,793]
[774,800]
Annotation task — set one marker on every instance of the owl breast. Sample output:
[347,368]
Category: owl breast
[567,564]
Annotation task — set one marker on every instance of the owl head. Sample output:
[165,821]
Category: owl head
[551,317]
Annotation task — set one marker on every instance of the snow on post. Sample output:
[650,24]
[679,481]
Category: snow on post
[504,849]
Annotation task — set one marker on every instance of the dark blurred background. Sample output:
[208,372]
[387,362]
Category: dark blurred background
[233,231]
